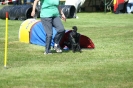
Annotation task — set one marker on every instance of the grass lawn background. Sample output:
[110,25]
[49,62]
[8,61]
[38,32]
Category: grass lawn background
[109,65]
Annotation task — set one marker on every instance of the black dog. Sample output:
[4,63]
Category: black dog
[73,40]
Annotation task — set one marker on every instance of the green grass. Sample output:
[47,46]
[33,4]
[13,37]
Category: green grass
[109,65]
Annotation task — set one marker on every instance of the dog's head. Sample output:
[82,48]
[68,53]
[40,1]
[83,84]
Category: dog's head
[74,31]
[75,28]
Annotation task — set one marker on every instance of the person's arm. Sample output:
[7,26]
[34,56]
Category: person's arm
[34,7]
[63,17]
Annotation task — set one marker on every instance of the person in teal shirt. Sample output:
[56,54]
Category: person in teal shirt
[50,17]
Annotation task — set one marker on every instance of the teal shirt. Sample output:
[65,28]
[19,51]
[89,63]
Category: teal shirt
[49,8]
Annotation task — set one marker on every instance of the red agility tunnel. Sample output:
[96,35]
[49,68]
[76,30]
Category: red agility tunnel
[85,42]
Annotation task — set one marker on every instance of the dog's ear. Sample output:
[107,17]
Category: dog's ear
[75,28]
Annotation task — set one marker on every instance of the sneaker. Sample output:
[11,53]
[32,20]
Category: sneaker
[58,50]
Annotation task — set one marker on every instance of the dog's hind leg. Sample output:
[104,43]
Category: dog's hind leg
[73,50]
[79,49]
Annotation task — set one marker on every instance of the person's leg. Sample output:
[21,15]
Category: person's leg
[131,7]
[47,23]
[128,8]
[24,2]
[19,2]
[15,2]
[60,30]
[28,2]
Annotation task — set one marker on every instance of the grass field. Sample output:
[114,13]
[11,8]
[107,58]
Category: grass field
[109,65]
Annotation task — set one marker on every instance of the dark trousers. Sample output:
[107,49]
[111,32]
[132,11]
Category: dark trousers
[48,24]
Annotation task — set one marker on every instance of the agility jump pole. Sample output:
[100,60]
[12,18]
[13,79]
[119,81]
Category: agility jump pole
[6,40]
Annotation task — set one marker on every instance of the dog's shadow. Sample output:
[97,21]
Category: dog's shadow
[70,50]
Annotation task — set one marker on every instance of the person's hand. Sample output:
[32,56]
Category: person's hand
[63,17]
[33,13]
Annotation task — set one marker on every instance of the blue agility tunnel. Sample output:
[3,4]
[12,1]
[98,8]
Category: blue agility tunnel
[38,36]
[32,31]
